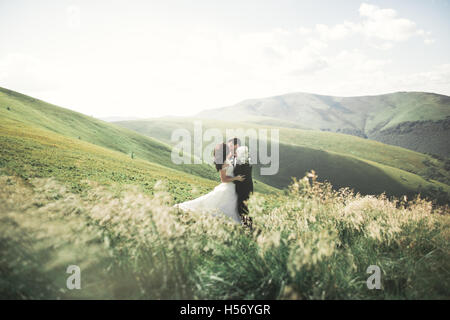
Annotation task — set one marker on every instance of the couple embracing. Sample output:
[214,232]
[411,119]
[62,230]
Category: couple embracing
[230,196]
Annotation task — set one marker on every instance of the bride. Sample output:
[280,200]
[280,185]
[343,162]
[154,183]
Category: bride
[223,199]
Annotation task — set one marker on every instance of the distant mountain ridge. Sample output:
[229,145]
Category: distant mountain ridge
[379,117]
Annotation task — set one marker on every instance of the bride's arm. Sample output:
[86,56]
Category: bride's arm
[225,178]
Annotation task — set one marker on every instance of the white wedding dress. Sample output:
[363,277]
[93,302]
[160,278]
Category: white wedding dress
[221,201]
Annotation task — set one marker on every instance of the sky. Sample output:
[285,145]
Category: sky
[172,57]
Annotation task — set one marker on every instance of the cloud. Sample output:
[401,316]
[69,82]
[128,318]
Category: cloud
[328,59]
[385,25]
[337,32]
[309,67]
[377,25]
[153,71]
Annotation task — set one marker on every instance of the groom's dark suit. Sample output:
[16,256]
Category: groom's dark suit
[243,188]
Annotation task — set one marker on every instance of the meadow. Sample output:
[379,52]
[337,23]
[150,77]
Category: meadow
[309,243]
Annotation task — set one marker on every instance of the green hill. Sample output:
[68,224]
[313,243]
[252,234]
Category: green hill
[42,140]
[369,167]
[377,117]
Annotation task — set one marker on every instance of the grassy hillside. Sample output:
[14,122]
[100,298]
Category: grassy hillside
[43,140]
[407,160]
[367,166]
[421,164]
[29,153]
[365,116]
[415,135]
[18,108]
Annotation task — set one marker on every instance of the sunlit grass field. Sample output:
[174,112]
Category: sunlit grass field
[17,111]
[34,153]
[309,243]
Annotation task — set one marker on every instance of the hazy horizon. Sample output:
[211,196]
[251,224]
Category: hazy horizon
[131,117]
[149,59]
[127,117]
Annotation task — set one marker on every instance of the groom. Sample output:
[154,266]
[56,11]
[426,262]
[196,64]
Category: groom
[243,188]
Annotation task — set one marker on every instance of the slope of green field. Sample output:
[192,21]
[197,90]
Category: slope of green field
[364,176]
[409,106]
[393,156]
[36,153]
[23,109]
[414,162]
[43,140]
[344,160]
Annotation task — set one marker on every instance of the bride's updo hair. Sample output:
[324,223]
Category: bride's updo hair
[220,155]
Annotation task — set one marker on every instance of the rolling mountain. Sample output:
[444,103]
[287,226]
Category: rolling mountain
[415,120]
[370,167]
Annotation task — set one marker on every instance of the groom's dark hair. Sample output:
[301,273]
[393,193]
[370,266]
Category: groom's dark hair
[235,141]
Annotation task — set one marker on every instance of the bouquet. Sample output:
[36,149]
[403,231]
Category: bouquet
[242,156]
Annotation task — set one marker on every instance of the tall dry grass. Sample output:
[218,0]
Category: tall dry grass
[310,243]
